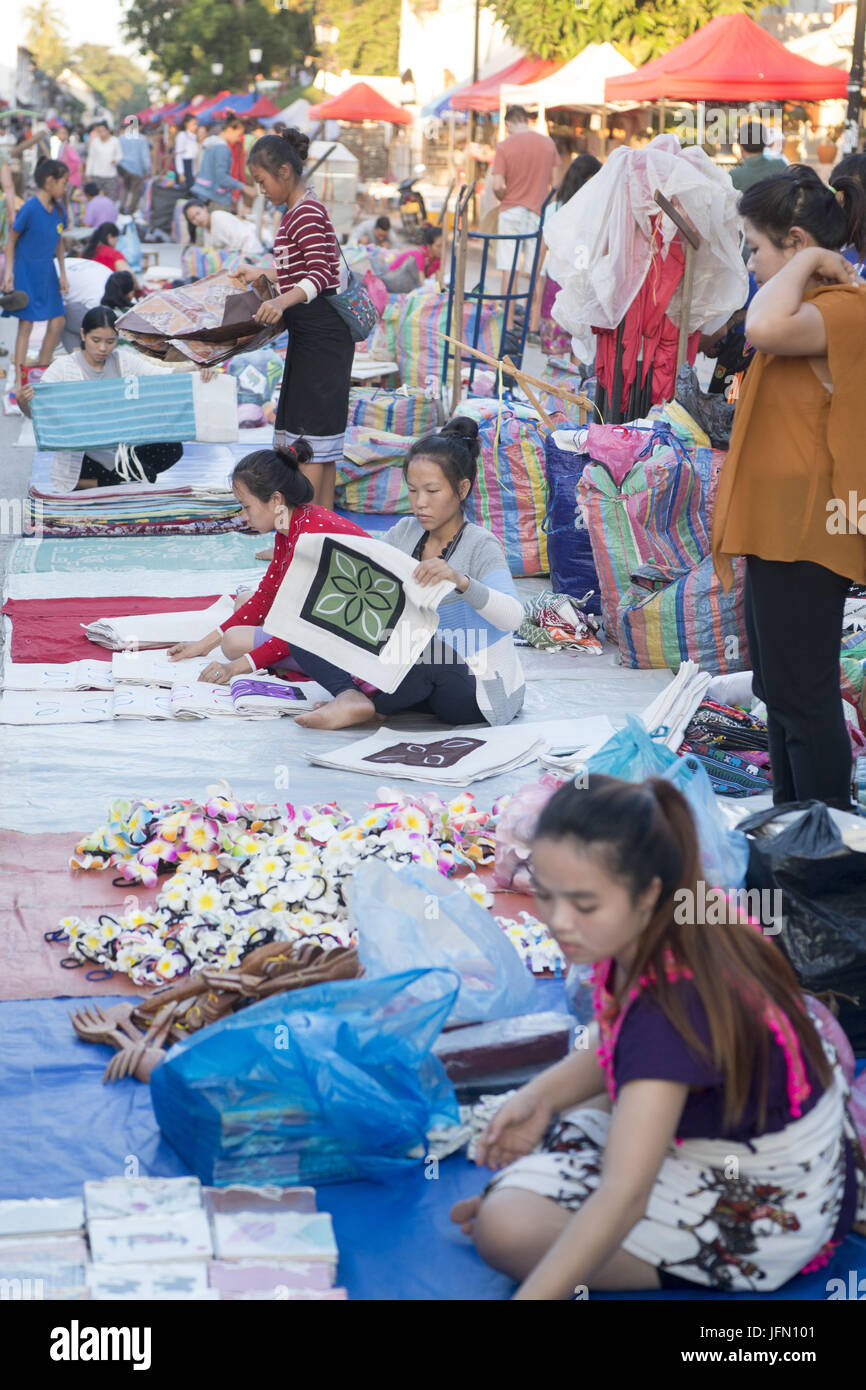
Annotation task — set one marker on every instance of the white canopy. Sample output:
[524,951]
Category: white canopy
[579,83]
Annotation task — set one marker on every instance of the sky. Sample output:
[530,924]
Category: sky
[87,21]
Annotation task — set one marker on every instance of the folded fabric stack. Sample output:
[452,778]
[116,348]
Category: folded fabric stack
[454,760]
[134,511]
[733,747]
[554,624]
[144,630]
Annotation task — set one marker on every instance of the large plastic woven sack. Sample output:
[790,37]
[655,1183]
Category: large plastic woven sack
[410,917]
[560,372]
[632,755]
[510,496]
[569,548]
[688,618]
[411,410]
[853,668]
[370,474]
[258,374]
[198,261]
[326,1084]
[420,349]
[656,516]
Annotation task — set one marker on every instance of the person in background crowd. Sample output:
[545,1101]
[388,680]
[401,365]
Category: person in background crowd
[410,268]
[119,291]
[223,231]
[86,281]
[555,341]
[102,247]
[97,207]
[186,151]
[99,357]
[103,157]
[36,238]
[68,155]
[796,449]
[375,230]
[314,395]
[134,165]
[754,166]
[853,166]
[523,172]
[254,130]
[214,183]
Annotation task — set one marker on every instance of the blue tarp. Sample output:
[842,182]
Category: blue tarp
[60,1125]
[237,102]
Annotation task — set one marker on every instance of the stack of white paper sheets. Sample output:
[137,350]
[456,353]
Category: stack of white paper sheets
[158,629]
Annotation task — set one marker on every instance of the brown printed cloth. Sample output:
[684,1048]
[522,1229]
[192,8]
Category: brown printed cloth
[206,322]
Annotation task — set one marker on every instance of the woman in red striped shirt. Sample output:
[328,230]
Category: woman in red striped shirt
[314,396]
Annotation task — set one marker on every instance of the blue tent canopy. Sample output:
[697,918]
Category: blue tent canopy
[237,102]
[441,106]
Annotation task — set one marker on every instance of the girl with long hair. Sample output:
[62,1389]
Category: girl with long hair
[31,280]
[698,1134]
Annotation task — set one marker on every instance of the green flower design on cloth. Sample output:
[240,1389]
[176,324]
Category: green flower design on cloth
[353,597]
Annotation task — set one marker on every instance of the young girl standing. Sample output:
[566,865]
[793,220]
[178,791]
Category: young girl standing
[274,495]
[795,463]
[701,1137]
[36,238]
[470,672]
[314,396]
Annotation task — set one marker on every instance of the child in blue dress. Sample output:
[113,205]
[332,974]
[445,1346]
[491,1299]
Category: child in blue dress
[36,238]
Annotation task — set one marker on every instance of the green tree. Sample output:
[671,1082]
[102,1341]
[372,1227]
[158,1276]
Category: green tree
[118,80]
[46,37]
[369,35]
[640,29]
[187,36]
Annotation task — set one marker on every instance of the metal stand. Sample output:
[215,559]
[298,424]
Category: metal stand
[511,341]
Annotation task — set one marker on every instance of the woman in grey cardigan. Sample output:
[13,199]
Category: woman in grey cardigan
[470,672]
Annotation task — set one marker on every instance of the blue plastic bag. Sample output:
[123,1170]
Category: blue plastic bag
[412,917]
[632,755]
[569,548]
[326,1084]
[129,246]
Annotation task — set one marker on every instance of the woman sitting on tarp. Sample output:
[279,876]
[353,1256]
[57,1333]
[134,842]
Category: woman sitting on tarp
[411,268]
[102,247]
[788,491]
[223,231]
[99,358]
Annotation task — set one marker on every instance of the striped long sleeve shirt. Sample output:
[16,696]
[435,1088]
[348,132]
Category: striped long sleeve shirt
[306,253]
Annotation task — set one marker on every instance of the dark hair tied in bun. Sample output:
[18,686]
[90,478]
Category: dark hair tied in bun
[268,471]
[456,449]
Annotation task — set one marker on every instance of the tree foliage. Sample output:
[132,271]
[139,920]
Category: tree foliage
[369,37]
[640,29]
[119,81]
[46,37]
[187,36]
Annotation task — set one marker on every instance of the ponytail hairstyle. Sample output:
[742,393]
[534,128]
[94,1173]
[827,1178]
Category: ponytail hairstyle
[455,448]
[642,831]
[49,169]
[284,145]
[268,471]
[118,290]
[100,317]
[834,216]
[99,238]
[853,166]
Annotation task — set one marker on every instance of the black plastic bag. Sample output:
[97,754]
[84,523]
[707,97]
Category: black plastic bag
[823,886]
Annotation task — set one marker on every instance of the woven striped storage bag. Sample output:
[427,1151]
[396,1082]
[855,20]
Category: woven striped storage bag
[409,411]
[510,496]
[420,350]
[198,261]
[688,618]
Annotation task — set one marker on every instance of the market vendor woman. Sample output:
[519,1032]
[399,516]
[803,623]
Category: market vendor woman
[795,462]
[314,397]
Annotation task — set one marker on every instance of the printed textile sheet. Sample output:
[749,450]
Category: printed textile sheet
[208,321]
[352,601]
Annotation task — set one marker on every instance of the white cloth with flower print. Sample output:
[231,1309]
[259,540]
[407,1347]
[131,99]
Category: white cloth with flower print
[351,600]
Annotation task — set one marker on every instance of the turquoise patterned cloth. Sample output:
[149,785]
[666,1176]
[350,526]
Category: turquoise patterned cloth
[71,415]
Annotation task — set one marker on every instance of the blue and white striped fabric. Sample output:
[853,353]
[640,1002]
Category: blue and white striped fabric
[124,410]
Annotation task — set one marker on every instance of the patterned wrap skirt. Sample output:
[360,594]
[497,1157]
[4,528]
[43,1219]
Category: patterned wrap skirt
[314,396]
[725,1215]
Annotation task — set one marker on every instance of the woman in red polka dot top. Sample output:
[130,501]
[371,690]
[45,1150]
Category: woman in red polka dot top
[274,495]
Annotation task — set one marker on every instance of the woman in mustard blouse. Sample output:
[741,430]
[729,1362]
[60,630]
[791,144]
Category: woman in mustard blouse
[796,471]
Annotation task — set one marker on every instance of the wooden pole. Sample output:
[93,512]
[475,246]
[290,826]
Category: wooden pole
[533,399]
[692,239]
[461,232]
[583,402]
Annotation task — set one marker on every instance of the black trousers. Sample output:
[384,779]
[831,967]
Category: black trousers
[793,613]
[445,689]
[155,459]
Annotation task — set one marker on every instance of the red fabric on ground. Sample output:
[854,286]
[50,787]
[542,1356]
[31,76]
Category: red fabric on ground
[49,630]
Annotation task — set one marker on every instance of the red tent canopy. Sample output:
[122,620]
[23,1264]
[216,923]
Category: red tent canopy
[360,103]
[731,59]
[263,107]
[484,95]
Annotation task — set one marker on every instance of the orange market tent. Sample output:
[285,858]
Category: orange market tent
[484,95]
[731,59]
[360,103]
